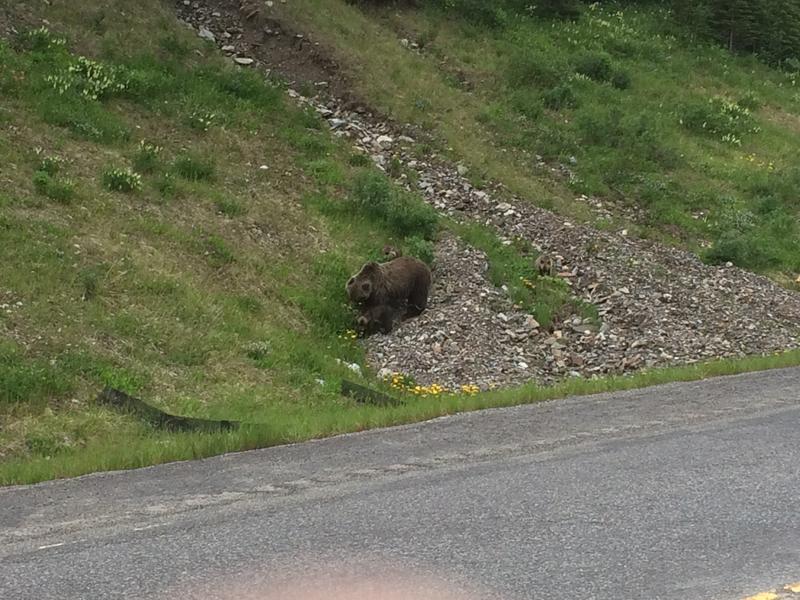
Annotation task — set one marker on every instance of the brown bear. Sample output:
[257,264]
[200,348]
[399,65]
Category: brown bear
[380,317]
[398,286]
[545,264]
[390,252]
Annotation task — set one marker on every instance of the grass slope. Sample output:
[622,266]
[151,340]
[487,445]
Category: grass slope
[700,141]
[173,226]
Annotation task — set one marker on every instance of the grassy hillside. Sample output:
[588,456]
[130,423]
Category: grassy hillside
[173,226]
[693,143]
[162,232]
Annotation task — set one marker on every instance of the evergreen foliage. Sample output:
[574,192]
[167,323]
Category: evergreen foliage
[768,28]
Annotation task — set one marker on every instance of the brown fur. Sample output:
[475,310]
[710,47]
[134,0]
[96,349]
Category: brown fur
[390,252]
[545,265]
[380,317]
[403,281]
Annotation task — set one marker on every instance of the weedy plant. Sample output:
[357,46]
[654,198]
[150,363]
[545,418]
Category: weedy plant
[90,79]
[720,117]
[60,190]
[147,158]
[46,180]
[122,180]
[194,167]
[201,120]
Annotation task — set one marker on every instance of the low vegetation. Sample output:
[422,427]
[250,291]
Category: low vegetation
[135,257]
[692,142]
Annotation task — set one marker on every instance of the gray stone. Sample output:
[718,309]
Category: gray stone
[206,35]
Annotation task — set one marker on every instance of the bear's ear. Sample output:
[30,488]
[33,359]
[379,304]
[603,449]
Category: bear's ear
[371,267]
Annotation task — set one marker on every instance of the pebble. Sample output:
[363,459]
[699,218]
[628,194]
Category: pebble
[384,141]
[206,35]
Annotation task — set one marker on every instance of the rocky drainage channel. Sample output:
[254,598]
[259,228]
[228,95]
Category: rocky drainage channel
[659,305]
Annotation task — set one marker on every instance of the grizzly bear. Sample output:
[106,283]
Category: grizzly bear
[545,264]
[382,290]
[390,252]
[380,317]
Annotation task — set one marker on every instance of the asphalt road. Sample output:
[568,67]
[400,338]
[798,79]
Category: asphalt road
[684,491]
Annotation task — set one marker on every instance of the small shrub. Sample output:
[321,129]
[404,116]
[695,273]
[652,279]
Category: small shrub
[530,68]
[358,160]
[147,158]
[201,120]
[621,80]
[249,304]
[174,45]
[29,381]
[527,102]
[217,251]
[326,172]
[732,218]
[90,279]
[323,301]
[47,443]
[258,350]
[194,168]
[49,164]
[560,97]
[84,118]
[750,101]
[229,207]
[122,180]
[121,379]
[420,248]
[90,79]
[248,85]
[719,117]
[479,12]
[167,186]
[312,146]
[147,84]
[737,248]
[374,195]
[395,168]
[594,66]
[41,40]
[60,190]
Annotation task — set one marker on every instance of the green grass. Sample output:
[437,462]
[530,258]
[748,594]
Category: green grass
[700,139]
[53,457]
[164,293]
[194,168]
[209,287]
[52,187]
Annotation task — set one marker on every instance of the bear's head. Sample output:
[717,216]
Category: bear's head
[361,285]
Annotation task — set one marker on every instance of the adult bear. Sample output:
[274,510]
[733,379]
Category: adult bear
[401,282]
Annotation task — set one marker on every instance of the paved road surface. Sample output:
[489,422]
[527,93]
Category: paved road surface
[684,491]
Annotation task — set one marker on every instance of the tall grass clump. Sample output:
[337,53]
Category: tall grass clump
[194,167]
[375,197]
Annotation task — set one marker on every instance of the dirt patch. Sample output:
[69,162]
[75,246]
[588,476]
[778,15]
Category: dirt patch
[783,119]
[250,30]
[15,19]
